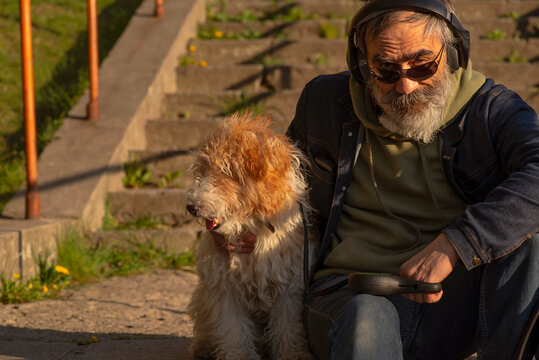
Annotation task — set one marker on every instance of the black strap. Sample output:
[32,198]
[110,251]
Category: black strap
[306,275]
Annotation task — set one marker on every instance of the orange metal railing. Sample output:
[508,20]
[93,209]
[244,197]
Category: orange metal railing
[93,59]
[32,195]
[159,10]
[33,207]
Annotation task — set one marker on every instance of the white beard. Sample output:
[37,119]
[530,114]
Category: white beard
[417,116]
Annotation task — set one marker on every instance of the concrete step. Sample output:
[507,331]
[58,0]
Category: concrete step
[280,29]
[168,143]
[466,10]
[166,206]
[337,28]
[220,77]
[516,75]
[172,240]
[333,51]
[187,133]
[213,78]
[255,79]
[270,51]
[279,105]
[160,162]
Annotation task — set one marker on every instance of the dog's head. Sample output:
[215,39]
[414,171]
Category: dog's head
[244,173]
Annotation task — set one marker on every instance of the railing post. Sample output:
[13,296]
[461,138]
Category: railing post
[93,57]
[32,195]
[159,11]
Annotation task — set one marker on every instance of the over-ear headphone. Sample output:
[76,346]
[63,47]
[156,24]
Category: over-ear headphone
[457,55]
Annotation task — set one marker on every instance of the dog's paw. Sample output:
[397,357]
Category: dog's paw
[297,356]
[201,350]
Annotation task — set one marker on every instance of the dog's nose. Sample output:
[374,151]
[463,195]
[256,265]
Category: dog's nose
[192,209]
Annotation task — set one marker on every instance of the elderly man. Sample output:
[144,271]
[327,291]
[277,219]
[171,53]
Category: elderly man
[420,167]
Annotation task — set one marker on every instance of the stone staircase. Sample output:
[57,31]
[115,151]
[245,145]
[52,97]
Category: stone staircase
[263,66]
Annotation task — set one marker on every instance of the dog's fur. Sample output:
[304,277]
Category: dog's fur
[248,306]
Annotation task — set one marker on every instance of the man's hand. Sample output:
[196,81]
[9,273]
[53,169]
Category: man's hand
[245,245]
[432,264]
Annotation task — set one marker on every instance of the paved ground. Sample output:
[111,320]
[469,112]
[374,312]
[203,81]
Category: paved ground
[136,317]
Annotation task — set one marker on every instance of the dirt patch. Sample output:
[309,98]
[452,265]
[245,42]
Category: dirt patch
[134,317]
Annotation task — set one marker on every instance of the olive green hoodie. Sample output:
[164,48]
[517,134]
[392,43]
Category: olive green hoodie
[399,199]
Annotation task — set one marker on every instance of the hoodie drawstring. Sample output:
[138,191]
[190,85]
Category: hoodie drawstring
[429,184]
[387,211]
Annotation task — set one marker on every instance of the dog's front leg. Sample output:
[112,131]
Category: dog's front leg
[285,329]
[234,331]
[202,346]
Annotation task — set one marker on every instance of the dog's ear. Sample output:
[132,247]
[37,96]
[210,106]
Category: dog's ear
[255,158]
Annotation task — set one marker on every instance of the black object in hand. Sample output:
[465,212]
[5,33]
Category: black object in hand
[388,284]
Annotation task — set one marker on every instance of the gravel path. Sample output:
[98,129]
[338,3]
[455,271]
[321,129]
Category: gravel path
[135,317]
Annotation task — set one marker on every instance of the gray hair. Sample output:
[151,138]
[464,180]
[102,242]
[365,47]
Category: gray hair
[433,24]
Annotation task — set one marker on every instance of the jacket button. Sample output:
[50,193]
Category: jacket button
[343,188]
[349,133]
[476,261]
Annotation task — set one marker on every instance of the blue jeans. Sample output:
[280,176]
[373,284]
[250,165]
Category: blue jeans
[484,310]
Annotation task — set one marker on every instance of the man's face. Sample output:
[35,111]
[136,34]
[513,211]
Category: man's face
[410,107]
[403,46]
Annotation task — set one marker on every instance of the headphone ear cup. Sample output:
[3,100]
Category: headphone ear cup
[452,57]
[362,65]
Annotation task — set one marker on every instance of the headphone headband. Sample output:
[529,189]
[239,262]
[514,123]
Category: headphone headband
[457,56]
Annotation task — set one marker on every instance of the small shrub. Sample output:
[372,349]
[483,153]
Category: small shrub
[496,34]
[329,31]
[511,15]
[319,59]
[136,175]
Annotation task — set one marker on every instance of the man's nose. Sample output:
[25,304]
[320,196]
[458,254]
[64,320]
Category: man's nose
[406,86]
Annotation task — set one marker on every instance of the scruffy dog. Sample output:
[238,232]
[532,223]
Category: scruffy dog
[248,306]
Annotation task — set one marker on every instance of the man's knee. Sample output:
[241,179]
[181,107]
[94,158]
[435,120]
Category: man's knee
[368,328]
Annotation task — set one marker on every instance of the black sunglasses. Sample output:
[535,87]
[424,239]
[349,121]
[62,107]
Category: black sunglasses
[417,73]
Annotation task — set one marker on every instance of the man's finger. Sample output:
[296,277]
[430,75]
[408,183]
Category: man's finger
[424,297]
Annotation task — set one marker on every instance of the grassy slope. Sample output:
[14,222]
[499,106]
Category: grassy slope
[60,71]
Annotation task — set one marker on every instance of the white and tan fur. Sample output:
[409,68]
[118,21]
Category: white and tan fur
[248,306]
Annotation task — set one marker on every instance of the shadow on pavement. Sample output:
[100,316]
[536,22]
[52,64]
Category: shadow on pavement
[40,344]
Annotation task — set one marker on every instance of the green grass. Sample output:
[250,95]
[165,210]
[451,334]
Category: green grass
[319,59]
[60,43]
[83,261]
[511,15]
[50,280]
[496,34]
[93,261]
[212,33]
[513,57]
[241,104]
[329,31]
[289,12]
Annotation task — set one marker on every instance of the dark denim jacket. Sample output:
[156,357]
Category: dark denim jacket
[489,153]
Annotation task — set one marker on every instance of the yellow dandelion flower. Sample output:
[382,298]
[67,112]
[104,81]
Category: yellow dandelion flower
[95,339]
[45,289]
[16,276]
[30,285]
[54,286]
[203,63]
[192,48]
[218,34]
[61,269]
